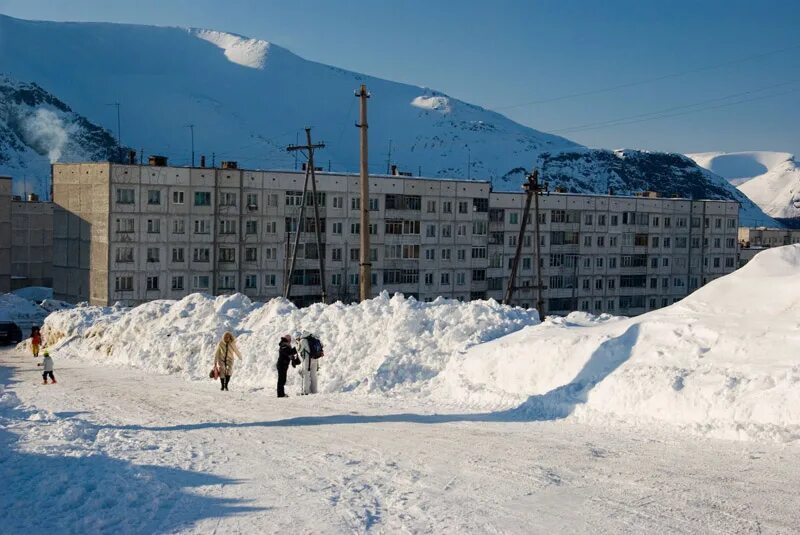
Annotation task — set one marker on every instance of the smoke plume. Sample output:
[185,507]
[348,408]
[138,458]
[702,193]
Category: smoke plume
[44,131]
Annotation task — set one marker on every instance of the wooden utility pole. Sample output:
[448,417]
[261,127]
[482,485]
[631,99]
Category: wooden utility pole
[365,266]
[310,172]
[532,192]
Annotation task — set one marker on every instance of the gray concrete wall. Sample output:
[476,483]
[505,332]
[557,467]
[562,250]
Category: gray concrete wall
[80,232]
[32,244]
[5,234]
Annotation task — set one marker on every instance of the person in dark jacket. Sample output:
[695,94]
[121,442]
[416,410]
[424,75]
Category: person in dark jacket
[286,355]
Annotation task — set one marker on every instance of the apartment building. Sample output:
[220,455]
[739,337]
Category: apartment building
[135,233]
[5,234]
[752,240]
[31,242]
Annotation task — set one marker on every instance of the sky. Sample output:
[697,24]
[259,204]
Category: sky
[679,76]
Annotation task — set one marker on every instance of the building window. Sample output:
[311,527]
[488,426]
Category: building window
[153,254]
[447,231]
[410,251]
[480,205]
[178,226]
[123,284]
[153,226]
[202,198]
[153,197]
[430,254]
[201,282]
[355,254]
[177,282]
[513,218]
[271,253]
[250,282]
[430,231]
[447,207]
[336,254]
[429,279]
[177,197]
[227,282]
[463,207]
[445,279]
[252,203]
[201,254]
[202,226]
[227,254]
[431,207]
[227,199]
[587,220]
[479,252]
[461,255]
[251,254]
[125,196]
[152,283]
[177,254]
[729,262]
[337,228]
[125,225]
[251,227]
[294,198]
[124,255]
[478,275]
[460,278]
[445,254]
[337,202]
[227,226]
[479,228]
[269,280]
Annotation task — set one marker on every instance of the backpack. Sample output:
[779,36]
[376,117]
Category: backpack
[315,350]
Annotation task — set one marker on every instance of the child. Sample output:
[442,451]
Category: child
[36,341]
[48,368]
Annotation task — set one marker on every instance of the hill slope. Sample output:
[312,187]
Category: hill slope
[248,99]
[770,179]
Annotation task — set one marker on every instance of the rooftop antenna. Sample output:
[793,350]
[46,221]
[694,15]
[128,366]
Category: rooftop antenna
[191,128]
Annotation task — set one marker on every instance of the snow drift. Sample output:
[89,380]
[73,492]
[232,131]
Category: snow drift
[725,361]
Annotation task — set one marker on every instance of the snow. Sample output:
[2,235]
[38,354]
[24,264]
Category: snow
[432,103]
[21,311]
[240,50]
[770,179]
[36,294]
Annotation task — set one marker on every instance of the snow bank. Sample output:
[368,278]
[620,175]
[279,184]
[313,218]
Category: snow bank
[34,293]
[384,344]
[725,361]
[21,311]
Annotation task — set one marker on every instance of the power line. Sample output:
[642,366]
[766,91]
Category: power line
[647,80]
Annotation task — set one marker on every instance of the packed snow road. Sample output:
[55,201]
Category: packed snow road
[114,450]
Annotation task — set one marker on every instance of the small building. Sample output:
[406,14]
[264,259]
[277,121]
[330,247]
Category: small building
[31,242]
[753,240]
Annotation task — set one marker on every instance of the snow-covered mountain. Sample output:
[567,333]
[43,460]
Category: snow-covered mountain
[36,129]
[770,179]
[248,99]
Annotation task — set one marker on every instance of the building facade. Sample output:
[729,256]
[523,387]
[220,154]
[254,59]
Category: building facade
[31,243]
[753,240]
[5,234]
[134,233]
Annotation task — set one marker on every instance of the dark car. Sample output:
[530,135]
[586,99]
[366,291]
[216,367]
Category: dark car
[10,333]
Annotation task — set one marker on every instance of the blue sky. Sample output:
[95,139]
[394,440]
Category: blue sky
[725,72]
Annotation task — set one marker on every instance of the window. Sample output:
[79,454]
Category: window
[227,282]
[730,243]
[403,202]
[269,280]
[654,262]
[460,279]
[731,223]
[251,255]
[640,240]
[200,282]
[123,284]
[227,199]
[612,241]
[717,243]
[479,252]
[463,207]
[480,205]
[153,197]
[227,226]
[177,282]
[447,207]
[598,284]
[178,226]
[336,254]
[153,226]
[614,220]
[478,275]
[250,281]
[431,207]
[428,279]
[201,254]
[445,254]
[479,228]
[124,255]
[601,241]
[557,216]
[337,228]
[336,278]
[461,229]
[410,227]
[587,219]
[294,198]
[587,241]
[411,251]
[654,221]
[667,243]
[655,241]
[177,254]
[252,204]
[445,279]
[251,227]
[599,262]
[125,196]
[601,219]
[202,198]
[729,262]
[430,231]
[716,262]
[177,197]
[447,231]
[152,283]
[430,254]
[271,253]
[611,284]
[125,225]
[585,284]
[202,226]
[461,254]
[718,222]
[513,218]
[355,254]
[612,262]
[680,242]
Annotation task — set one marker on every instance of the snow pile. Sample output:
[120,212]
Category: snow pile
[240,50]
[387,344]
[21,311]
[725,361]
[36,294]
[432,103]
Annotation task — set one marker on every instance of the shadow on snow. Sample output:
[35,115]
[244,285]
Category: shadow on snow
[94,493]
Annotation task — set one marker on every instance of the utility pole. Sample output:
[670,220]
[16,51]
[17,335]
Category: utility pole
[469,163]
[532,191]
[119,134]
[310,171]
[389,159]
[213,159]
[365,265]
[191,128]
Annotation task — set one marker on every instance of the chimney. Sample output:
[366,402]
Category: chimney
[131,157]
[394,170]
[230,165]
[32,197]
[202,160]
[157,161]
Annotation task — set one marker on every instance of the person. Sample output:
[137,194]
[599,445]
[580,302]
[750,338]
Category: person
[47,362]
[223,358]
[309,364]
[286,355]
[36,341]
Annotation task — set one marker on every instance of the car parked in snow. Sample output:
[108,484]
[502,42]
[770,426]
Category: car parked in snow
[10,333]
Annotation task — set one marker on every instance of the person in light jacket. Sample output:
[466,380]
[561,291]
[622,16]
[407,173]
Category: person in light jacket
[223,358]
[47,363]
[308,366]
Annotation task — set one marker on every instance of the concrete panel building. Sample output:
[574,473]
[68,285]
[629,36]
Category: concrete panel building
[753,240]
[31,243]
[5,234]
[135,233]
